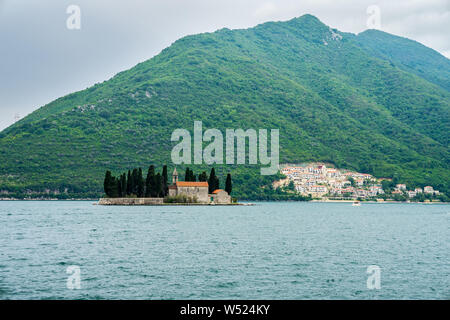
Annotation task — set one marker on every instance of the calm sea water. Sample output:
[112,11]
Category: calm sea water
[267,251]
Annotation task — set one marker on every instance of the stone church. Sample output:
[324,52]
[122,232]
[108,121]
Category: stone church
[197,190]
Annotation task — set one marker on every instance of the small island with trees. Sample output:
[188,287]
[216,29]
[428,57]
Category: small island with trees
[132,189]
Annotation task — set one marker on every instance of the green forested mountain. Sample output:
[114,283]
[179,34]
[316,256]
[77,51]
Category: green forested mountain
[408,55]
[355,101]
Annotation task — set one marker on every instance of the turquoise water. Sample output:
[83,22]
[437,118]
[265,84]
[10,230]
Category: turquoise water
[267,251]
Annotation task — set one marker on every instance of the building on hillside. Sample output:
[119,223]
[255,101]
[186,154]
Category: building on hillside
[332,173]
[375,190]
[428,189]
[411,194]
[322,169]
[401,187]
[361,193]
[300,189]
[317,190]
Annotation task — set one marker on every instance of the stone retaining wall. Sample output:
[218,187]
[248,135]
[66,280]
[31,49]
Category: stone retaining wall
[130,201]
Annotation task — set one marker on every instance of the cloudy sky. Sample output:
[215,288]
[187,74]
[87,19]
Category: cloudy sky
[41,59]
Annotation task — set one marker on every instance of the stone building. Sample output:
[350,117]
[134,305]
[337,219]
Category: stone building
[220,196]
[197,191]
[194,190]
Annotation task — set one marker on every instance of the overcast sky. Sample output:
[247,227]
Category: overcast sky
[41,59]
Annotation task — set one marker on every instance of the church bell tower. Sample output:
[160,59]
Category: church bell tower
[175,176]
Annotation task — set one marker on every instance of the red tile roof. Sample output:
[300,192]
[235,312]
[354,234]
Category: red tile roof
[217,191]
[191,184]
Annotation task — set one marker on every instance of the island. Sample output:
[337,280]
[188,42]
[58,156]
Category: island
[132,189]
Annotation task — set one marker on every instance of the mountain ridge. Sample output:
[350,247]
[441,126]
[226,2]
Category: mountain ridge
[319,85]
[400,54]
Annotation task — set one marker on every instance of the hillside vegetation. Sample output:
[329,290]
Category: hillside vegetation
[354,101]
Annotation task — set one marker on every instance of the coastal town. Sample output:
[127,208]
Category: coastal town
[320,181]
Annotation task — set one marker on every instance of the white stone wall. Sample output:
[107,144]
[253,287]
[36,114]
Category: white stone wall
[130,201]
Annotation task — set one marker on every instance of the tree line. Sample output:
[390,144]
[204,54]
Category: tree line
[133,184]
[155,185]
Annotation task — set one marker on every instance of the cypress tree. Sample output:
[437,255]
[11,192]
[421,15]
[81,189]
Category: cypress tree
[159,186]
[228,185]
[192,176]
[114,186]
[123,181]
[129,188]
[135,181]
[187,175]
[216,183]
[119,187]
[212,181]
[150,182]
[203,176]
[107,183]
[140,184]
[165,182]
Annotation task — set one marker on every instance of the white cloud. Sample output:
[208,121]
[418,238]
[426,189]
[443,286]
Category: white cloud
[268,9]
